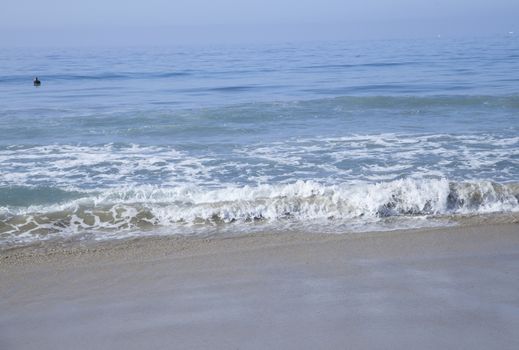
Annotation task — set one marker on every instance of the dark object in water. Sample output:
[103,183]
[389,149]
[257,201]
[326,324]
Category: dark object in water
[37,82]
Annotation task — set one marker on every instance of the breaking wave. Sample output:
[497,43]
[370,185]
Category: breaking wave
[180,209]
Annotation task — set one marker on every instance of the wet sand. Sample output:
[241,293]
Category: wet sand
[449,288]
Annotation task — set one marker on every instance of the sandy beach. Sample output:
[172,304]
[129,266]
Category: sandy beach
[449,288]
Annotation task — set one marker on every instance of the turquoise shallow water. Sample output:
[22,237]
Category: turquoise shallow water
[339,136]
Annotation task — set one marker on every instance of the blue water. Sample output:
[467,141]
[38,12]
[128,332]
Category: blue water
[336,135]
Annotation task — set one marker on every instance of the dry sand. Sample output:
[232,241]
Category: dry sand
[450,288]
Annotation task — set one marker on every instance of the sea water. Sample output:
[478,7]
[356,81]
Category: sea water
[330,136]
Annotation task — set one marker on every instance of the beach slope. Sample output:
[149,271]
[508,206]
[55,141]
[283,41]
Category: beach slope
[448,288]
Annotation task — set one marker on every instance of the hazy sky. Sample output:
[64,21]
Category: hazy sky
[124,22]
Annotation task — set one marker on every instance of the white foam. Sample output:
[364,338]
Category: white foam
[326,160]
[357,178]
[133,208]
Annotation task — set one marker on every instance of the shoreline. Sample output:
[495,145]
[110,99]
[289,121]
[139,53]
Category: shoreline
[47,248]
[453,287]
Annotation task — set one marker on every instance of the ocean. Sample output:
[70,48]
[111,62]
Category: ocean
[330,137]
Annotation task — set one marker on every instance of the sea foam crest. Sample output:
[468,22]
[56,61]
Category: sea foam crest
[145,207]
